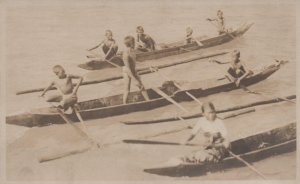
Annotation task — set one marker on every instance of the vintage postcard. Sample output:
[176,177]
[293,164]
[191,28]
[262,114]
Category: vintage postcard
[149,91]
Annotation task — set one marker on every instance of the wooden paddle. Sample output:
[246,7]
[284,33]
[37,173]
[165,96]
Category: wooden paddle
[161,93]
[225,31]
[135,141]
[84,134]
[247,164]
[177,85]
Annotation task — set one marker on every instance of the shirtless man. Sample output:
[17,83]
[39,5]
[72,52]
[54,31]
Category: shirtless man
[108,46]
[129,71]
[144,41]
[220,22]
[68,94]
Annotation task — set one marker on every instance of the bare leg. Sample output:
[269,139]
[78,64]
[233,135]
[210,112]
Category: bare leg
[143,90]
[54,98]
[127,81]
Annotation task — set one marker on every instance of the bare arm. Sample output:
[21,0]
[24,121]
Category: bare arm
[209,19]
[219,62]
[96,46]
[193,134]
[78,83]
[47,88]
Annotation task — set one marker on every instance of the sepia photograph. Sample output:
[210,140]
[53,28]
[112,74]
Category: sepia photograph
[152,91]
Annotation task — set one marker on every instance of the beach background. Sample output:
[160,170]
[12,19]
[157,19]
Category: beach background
[41,36]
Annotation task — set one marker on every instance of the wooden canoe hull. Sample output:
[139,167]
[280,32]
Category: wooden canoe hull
[280,140]
[197,115]
[113,105]
[169,49]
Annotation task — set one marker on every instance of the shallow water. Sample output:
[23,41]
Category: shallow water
[38,38]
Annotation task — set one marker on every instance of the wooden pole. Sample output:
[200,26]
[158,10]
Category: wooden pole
[248,165]
[81,132]
[142,71]
[179,87]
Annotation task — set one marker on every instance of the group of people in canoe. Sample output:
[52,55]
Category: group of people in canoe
[212,127]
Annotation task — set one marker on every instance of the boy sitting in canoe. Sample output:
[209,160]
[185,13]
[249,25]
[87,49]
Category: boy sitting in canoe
[189,38]
[236,72]
[108,47]
[68,94]
[216,135]
[144,42]
[129,70]
[220,22]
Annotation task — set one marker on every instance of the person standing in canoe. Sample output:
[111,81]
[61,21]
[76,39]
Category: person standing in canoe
[237,71]
[215,133]
[108,46]
[144,42]
[129,70]
[220,22]
[64,84]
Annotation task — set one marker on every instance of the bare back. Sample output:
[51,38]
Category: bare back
[129,58]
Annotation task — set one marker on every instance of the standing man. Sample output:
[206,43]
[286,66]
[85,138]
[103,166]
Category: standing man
[129,70]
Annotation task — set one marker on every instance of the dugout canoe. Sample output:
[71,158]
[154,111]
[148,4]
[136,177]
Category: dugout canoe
[253,148]
[113,105]
[197,115]
[170,49]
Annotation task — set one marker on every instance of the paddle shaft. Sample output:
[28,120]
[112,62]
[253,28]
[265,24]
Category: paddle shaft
[258,103]
[247,164]
[226,32]
[189,127]
[142,71]
[179,87]
[160,92]
[81,132]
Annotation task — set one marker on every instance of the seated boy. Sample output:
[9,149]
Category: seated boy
[189,37]
[237,72]
[109,46]
[144,42]
[68,93]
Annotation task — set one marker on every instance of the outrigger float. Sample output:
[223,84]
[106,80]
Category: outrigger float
[113,105]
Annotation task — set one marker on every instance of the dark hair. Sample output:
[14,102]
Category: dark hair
[128,41]
[206,105]
[108,31]
[58,67]
[140,29]
[236,53]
